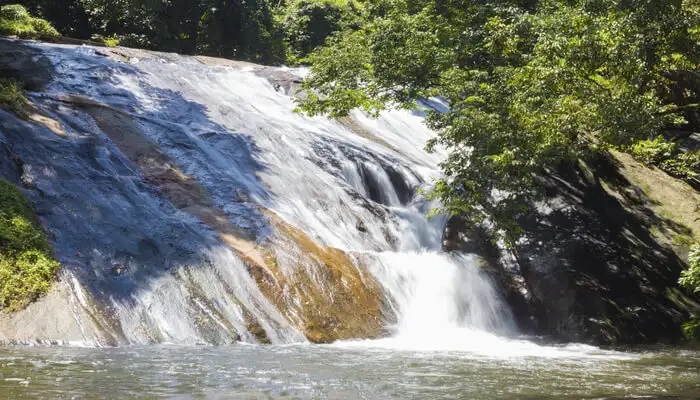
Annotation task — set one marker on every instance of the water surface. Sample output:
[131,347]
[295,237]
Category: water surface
[345,371]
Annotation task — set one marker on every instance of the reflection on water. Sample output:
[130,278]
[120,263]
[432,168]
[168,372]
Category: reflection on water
[344,371]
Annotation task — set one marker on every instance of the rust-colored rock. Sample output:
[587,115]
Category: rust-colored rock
[322,291]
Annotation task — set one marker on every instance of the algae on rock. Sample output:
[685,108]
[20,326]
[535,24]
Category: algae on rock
[27,267]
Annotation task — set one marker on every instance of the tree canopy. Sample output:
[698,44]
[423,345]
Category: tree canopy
[530,83]
[264,31]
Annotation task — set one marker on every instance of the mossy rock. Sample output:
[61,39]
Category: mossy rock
[27,267]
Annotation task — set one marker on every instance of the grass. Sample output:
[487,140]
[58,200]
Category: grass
[107,41]
[27,267]
[12,97]
[15,20]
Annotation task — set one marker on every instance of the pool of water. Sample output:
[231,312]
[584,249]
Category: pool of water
[359,370]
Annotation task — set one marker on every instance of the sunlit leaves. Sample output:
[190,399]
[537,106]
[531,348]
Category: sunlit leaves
[529,84]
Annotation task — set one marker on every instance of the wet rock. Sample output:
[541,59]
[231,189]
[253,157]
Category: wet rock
[283,81]
[10,165]
[595,271]
[588,269]
[383,179]
[404,190]
[25,64]
[461,236]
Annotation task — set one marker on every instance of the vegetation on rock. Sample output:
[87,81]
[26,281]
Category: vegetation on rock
[12,97]
[690,280]
[15,20]
[27,267]
[668,156]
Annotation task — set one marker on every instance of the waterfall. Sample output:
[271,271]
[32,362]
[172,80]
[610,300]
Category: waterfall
[353,185]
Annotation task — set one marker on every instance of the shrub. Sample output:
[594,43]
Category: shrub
[109,41]
[667,156]
[12,97]
[691,329]
[684,165]
[654,152]
[690,278]
[27,267]
[15,20]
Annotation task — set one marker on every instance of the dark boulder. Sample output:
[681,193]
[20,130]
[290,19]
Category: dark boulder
[23,63]
[460,235]
[588,269]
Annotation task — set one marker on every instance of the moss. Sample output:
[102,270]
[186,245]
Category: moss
[15,20]
[27,267]
[12,97]
[671,199]
[254,328]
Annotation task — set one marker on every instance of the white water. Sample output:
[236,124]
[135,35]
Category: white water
[315,173]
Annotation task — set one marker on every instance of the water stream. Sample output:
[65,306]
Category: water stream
[330,372]
[351,185]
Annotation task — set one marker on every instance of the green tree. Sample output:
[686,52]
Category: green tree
[224,28]
[529,83]
[308,23]
[243,30]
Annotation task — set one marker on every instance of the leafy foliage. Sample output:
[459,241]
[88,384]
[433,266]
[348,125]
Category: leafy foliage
[655,151]
[667,156]
[12,97]
[690,278]
[530,84]
[26,265]
[15,20]
[308,23]
[257,30]
[229,28]
[109,41]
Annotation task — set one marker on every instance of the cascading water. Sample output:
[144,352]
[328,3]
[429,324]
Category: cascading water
[350,185]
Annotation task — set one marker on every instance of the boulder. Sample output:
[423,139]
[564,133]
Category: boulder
[588,268]
[21,62]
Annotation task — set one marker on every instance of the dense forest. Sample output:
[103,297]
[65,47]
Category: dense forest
[271,32]
[530,84]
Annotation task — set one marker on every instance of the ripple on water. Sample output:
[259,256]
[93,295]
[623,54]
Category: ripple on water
[347,370]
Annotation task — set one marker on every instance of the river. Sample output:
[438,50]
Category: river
[346,371]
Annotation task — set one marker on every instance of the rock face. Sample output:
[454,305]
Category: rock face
[154,222]
[588,268]
[25,64]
